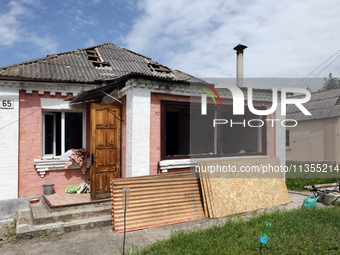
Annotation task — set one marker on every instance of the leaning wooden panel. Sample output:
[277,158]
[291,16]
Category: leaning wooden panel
[205,207]
[156,201]
[237,192]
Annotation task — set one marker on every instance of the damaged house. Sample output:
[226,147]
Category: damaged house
[130,113]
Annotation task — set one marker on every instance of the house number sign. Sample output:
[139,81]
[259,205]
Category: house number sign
[6,103]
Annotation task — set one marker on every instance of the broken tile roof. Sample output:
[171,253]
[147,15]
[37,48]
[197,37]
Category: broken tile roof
[93,64]
[322,105]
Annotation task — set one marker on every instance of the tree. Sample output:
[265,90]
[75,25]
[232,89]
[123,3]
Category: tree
[330,83]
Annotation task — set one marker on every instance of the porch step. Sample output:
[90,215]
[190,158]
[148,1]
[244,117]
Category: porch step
[42,214]
[41,220]
[26,229]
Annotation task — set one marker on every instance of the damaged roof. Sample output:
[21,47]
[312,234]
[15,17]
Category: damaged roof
[92,65]
[322,105]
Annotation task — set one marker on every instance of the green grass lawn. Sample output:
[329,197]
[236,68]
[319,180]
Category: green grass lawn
[299,183]
[302,231]
[310,175]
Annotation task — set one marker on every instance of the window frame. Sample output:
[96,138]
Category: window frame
[181,104]
[62,131]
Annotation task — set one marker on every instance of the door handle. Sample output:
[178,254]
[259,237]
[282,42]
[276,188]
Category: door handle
[92,159]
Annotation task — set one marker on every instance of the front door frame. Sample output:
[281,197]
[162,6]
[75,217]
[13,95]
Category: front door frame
[104,147]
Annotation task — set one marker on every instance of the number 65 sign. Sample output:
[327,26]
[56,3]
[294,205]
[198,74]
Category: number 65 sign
[6,103]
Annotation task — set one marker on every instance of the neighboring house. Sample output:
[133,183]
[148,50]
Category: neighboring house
[315,139]
[66,100]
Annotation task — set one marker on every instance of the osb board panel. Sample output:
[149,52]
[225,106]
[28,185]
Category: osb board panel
[238,192]
[156,201]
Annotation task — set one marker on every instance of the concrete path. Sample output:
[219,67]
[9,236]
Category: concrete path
[105,241]
[9,208]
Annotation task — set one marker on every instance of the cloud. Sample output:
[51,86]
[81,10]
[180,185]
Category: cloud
[13,30]
[284,39]
[10,25]
[47,45]
[89,42]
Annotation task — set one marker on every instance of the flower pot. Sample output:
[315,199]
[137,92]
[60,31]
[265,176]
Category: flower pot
[48,189]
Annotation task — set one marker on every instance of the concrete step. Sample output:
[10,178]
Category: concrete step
[42,214]
[26,229]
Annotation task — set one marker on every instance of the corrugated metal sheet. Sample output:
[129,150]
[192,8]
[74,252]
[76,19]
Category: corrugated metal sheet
[335,111]
[325,113]
[74,66]
[156,200]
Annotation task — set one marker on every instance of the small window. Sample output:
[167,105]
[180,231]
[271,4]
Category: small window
[287,138]
[62,131]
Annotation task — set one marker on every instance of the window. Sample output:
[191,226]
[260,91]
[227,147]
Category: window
[186,133]
[287,138]
[62,131]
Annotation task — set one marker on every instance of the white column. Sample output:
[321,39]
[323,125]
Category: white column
[137,131]
[9,144]
[280,135]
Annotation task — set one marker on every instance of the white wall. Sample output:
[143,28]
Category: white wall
[137,130]
[9,143]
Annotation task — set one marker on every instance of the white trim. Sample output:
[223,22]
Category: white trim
[138,102]
[173,88]
[45,165]
[165,165]
[62,122]
[9,144]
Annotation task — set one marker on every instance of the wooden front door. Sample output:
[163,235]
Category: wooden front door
[105,148]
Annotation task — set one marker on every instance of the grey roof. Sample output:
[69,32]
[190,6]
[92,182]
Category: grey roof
[75,66]
[323,104]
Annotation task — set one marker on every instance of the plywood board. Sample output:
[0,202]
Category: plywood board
[237,192]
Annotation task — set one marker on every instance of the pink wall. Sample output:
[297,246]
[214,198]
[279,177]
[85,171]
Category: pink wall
[155,127]
[30,181]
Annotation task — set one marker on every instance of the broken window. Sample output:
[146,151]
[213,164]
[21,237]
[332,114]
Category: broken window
[187,133]
[62,131]
[95,59]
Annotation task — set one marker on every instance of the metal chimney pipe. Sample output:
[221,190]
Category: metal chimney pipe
[239,64]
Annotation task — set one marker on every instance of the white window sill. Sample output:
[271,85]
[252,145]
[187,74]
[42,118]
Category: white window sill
[165,165]
[45,165]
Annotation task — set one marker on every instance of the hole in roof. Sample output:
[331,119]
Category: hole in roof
[95,59]
[159,68]
[337,101]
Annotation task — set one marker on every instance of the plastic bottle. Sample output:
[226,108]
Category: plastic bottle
[265,234]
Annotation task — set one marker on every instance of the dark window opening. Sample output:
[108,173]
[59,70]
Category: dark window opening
[177,131]
[49,133]
[94,58]
[287,138]
[73,130]
[187,133]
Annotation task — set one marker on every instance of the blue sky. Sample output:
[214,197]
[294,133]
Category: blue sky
[285,38]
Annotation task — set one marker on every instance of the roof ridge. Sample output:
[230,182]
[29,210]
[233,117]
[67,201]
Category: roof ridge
[50,56]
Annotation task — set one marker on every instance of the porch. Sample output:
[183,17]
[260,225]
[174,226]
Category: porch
[61,213]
